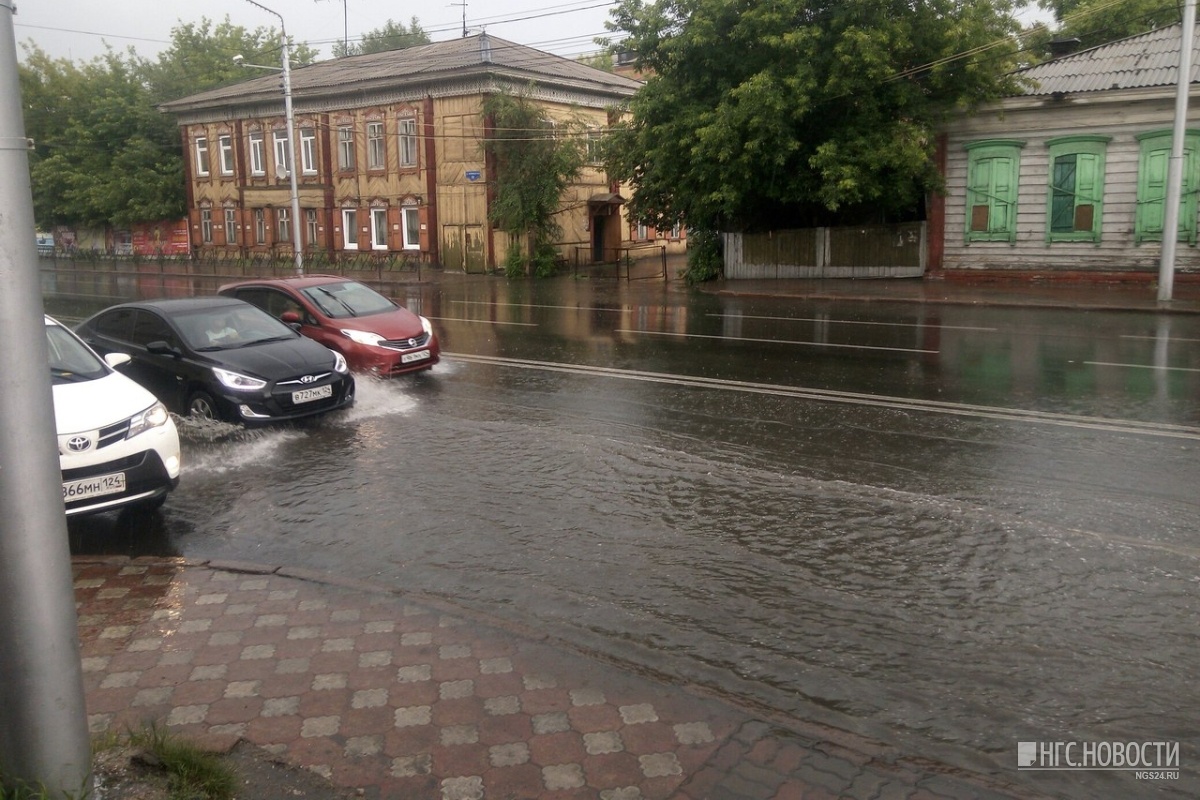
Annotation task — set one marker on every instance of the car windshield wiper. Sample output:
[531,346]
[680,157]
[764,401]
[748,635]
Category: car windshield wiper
[265,339]
[210,348]
[68,376]
[339,300]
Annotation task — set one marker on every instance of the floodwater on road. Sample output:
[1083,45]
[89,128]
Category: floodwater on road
[952,529]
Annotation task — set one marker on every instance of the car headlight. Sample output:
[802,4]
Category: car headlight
[237,381]
[428,328]
[339,362]
[153,417]
[363,337]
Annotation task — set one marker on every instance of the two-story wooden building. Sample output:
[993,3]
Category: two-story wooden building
[390,152]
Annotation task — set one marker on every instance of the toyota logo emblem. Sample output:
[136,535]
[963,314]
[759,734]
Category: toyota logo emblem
[77,444]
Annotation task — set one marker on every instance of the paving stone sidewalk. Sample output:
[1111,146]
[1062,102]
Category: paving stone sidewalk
[405,699]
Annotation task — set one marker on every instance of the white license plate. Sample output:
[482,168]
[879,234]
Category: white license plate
[93,487]
[420,355]
[308,395]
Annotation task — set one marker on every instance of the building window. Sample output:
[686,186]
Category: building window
[592,146]
[206,225]
[201,155]
[283,165]
[379,229]
[375,156]
[408,142]
[643,232]
[260,226]
[350,228]
[308,151]
[310,224]
[346,148]
[283,225]
[1152,186]
[225,148]
[1076,195]
[412,228]
[230,226]
[257,164]
[992,169]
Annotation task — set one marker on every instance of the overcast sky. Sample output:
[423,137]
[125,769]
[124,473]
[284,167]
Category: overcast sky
[80,29]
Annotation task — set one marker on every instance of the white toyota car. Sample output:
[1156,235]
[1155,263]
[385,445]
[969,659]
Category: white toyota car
[117,444]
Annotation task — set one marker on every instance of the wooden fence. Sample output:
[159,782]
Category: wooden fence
[878,251]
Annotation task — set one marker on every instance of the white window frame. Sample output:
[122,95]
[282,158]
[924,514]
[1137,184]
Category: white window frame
[206,225]
[346,154]
[310,223]
[202,165]
[308,151]
[283,224]
[349,228]
[281,152]
[225,150]
[376,152]
[230,226]
[257,164]
[379,229]
[410,217]
[260,226]
[408,141]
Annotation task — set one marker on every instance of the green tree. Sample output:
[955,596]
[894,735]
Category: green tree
[392,36]
[535,160]
[793,113]
[1096,22]
[104,154]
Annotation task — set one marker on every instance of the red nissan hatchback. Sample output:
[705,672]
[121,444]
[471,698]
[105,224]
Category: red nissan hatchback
[374,334]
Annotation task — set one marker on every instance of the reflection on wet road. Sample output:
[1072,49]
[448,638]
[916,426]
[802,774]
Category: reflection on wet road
[965,533]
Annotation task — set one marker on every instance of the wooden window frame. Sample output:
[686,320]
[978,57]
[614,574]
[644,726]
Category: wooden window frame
[981,204]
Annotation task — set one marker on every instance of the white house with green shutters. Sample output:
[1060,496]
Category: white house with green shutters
[1071,174]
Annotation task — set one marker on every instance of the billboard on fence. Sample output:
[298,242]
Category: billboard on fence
[168,238]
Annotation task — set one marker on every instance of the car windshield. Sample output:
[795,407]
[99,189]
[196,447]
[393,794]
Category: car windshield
[228,327]
[348,299]
[70,360]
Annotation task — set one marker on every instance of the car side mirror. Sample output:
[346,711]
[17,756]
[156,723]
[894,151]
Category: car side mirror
[115,360]
[290,317]
[160,348]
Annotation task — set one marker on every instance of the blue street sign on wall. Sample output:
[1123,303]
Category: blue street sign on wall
[472,174]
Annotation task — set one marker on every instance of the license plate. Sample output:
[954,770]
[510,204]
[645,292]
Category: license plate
[420,355]
[93,487]
[308,395]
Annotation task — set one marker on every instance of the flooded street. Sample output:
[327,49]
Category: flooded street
[949,528]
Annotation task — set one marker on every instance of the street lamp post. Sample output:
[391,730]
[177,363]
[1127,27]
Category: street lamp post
[297,250]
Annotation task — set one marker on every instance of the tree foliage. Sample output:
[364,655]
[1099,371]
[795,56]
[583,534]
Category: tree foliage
[104,154]
[392,36]
[792,113]
[1096,22]
[535,159]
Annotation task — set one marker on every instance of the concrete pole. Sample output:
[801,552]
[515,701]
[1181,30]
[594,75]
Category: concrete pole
[297,247]
[43,732]
[1170,235]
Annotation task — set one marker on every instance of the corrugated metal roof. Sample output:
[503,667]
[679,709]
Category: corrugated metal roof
[1139,62]
[423,65]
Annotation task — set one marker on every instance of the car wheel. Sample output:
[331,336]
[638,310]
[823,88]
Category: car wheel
[201,405]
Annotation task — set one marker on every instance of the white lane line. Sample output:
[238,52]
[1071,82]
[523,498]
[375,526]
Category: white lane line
[775,341]
[1139,366]
[853,398]
[1156,338]
[859,322]
[486,321]
[535,305]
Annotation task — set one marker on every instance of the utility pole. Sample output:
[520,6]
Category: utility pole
[297,247]
[44,735]
[1170,232]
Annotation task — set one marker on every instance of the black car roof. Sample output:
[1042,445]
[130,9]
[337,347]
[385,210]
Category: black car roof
[184,304]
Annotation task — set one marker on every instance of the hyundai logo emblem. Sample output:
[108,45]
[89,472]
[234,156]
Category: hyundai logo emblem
[77,444]
[308,379]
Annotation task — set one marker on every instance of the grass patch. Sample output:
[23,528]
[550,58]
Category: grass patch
[189,772]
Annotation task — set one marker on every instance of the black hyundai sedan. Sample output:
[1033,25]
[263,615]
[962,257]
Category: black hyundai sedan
[222,358]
